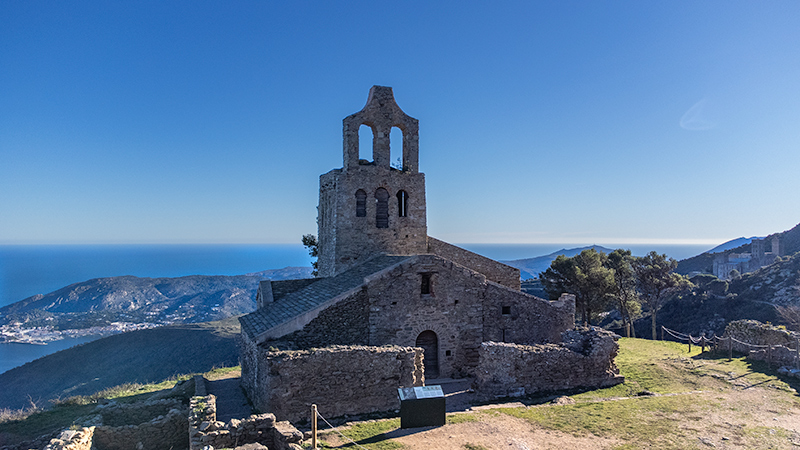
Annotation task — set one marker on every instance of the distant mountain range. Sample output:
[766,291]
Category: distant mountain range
[200,298]
[532,267]
[190,299]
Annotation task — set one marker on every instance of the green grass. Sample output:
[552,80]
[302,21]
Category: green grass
[474,447]
[668,367]
[671,419]
[645,421]
[367,434]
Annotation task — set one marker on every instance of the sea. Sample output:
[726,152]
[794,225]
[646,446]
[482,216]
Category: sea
[27,270]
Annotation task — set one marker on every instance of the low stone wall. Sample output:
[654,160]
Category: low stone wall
[163,432]
[116,415]
[340,380]
[777,355]
[585,359]
[72,440]
[205,430]
[756,333]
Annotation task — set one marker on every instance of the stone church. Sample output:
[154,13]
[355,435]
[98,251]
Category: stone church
[383,281]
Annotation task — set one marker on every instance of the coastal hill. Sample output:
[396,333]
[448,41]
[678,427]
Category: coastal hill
[100,301]
[140,356]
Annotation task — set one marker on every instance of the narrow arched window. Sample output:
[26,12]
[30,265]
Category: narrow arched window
[382,208]
[361,203]
[402,203]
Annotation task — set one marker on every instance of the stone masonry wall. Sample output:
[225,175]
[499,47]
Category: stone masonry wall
[72,440]
[340,380]
[585,359]
[753,332]
[205,429]
[463,309]
[757,333]
[163,432]
[249,353]
[778,355]
[453,310]
[115,415]
[346,240]
[512,316]
[491,269]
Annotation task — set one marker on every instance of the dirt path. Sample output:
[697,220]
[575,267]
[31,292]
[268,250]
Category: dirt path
[499,432]
[748,417]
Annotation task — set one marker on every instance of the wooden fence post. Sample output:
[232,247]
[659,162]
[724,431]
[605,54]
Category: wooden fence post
[730,348]
[314,427]
[797,353]
[702,344]
[769,356]
[662,332]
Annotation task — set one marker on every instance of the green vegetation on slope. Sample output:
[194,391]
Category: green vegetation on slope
[137,357]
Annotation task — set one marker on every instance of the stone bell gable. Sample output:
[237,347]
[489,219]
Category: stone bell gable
[368,207]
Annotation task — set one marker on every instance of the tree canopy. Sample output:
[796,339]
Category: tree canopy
[598,280]
[586,276]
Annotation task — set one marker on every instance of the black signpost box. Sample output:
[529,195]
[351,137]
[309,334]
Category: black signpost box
[422,406]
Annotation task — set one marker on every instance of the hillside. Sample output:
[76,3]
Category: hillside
[712,303]
[704,262]
[531,267]
[778,283]
[138,356]
[189,299]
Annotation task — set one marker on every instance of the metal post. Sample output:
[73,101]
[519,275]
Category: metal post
[314,427]
[662,332]
[702,344]
[690,343]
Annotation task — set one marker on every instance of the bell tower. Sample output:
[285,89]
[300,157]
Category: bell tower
[368,208]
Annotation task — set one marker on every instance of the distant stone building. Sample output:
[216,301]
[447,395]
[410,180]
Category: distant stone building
[726,263]
[384,281]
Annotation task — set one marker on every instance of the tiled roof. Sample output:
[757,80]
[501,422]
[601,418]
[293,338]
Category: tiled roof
[312,296]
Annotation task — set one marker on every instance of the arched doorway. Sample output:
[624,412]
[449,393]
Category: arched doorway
[428,341]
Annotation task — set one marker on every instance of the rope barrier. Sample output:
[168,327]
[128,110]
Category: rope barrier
[716,341]
[340,433]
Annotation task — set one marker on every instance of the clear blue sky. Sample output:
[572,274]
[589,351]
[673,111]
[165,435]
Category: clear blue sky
[540,121]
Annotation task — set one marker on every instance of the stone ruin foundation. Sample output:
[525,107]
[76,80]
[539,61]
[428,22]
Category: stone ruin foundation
[341,380]
[351,380]
[585,359]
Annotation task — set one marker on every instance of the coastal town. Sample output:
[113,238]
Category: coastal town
[16,333]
